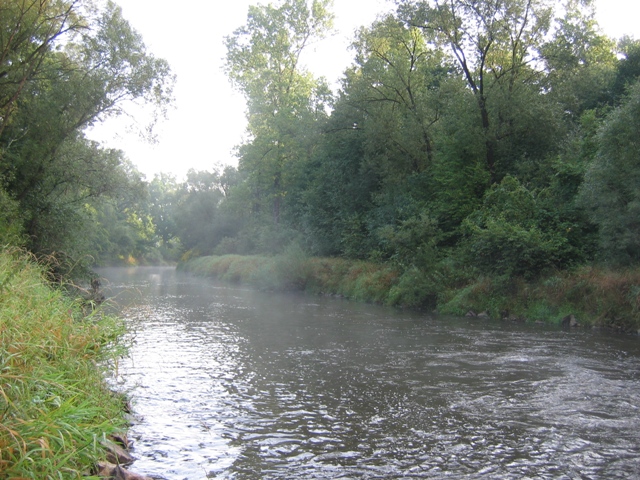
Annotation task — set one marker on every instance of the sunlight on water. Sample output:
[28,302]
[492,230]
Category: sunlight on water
[231,383]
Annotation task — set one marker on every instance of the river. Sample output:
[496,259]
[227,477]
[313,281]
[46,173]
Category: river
[232,383]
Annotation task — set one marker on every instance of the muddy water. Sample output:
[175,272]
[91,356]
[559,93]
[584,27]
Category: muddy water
[232,383]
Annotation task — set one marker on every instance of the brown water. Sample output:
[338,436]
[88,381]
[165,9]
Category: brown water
[232,383]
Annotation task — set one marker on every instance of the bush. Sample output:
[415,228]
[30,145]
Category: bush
[415,289]
[505,237]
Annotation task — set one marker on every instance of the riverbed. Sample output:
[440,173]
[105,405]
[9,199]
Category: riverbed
[228,382]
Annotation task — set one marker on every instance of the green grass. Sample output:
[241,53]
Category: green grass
[364,281]
[55,407]
[598,297]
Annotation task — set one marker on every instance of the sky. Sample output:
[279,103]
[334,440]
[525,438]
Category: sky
[208,119]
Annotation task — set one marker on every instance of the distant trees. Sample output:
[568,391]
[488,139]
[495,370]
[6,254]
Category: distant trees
[484,136]
[476,133]
[488,136]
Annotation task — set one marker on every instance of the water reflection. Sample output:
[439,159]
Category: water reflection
[232,383]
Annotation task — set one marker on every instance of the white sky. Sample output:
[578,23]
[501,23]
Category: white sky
[208,121]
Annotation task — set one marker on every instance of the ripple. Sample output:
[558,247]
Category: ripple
[230,383]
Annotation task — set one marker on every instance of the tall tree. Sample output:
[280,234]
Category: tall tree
[495,44]
[48,166]
[579,62]
[284,101]
[395,80]
[28,31]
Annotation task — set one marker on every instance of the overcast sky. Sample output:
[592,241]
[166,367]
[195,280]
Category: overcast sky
[208,120]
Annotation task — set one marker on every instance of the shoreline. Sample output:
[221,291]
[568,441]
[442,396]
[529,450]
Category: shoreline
[587,297]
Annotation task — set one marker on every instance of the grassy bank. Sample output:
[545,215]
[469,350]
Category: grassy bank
[55,407]
[596,297]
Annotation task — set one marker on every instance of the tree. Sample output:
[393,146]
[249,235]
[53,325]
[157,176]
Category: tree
[628,68]
[611,190]
[163,193]
[28,31]
[284,101]
[379,141]
[579,62]
[495,44]
[395,80]
[48,166]
[197,212]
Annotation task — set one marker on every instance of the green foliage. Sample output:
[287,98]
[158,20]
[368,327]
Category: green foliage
[65,66]
[29,32]
[468,138]
[416,288]
[505,237]
[413,243]
[581,62]
[285,103]
[10,222]
[628,68]
[611,189]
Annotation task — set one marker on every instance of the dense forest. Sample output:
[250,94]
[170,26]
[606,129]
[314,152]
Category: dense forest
[471,138]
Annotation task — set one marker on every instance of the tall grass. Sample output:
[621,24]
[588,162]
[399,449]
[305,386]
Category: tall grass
[597,297]
[293,270]
[55,407]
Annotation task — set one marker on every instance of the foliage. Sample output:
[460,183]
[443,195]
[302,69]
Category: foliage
[284,102]
[506,236]
[485,139]
[65,66]
[611,187]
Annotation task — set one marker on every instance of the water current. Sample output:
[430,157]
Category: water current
[232,383]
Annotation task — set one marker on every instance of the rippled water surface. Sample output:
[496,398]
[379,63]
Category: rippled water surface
[232,383]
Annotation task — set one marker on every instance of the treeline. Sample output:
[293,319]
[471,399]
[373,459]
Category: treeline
[66,65]
[468,139]
[492,138]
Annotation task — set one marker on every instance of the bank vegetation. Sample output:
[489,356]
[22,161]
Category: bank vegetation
[56,408]
[586,297]
[478,157]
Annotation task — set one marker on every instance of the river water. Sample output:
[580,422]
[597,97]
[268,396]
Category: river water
[232,383]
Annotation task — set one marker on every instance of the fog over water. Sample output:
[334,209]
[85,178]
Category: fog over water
[232,383]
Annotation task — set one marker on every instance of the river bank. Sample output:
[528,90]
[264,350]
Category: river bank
[589,297]
[57,410]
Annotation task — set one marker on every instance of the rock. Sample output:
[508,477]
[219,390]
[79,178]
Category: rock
[122,440]
[117,454]
[570,321]
[116,472]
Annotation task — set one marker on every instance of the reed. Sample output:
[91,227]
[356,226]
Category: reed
[292,270]
[55,405]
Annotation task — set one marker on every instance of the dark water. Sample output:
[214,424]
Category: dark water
[237,384]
